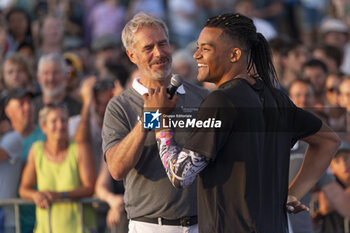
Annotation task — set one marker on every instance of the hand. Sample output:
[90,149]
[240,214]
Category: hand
[41,200]
[159,99]
[52,196]
[294,206]
[113,217]
[86,90]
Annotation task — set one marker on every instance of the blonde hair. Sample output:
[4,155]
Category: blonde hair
[138,21]
[45,111]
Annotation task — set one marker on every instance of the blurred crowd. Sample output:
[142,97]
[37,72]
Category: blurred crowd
[61,61]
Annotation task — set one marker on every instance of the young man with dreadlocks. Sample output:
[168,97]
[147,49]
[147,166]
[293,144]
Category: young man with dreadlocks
[243,166]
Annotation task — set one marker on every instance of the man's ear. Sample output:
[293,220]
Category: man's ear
[131,56]
[236,54]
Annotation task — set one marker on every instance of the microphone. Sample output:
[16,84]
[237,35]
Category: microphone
[175,82]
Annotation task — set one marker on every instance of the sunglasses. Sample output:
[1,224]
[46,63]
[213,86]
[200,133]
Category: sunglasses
[333,90]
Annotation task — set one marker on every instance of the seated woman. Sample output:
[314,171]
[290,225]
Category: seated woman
[60,169]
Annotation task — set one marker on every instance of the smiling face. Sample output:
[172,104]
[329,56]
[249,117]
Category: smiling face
[56,124]
[151,53]
[52,79]
[215,57]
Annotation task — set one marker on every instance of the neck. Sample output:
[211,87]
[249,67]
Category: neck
[54,100]
[242,75]
[56,146]
[151,83]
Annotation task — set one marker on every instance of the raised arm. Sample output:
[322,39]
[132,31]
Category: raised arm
[181,166]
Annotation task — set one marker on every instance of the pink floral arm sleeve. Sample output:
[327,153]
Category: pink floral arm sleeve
[181,166]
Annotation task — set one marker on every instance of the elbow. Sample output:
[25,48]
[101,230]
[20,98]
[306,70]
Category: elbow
[117,172]
[335,141]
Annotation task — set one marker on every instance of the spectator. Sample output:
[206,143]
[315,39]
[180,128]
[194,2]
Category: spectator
[112,192]
[75,74]
[333,221]
[294,55]
[15,72]
[60,169]
[277,45]
[344,102]
[87,126]
[332,56]
[337,115]
[106,48]
[302,93]
[10,169]
[20,111]
[316,71]
[18,27]
[50,35]
[52,77]
[334,32]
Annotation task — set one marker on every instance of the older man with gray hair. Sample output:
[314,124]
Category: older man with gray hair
[131,152]
[52,78]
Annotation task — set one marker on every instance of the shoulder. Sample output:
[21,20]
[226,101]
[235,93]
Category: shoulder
[195,89]
[217,98]
[11,136]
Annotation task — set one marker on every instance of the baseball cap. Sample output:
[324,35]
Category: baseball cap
[333,25]
[344,147]
[105,42]
[17,93]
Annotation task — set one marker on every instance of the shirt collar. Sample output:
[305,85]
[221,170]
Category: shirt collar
[141,89]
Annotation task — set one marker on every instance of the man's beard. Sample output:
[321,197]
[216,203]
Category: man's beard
[51,94]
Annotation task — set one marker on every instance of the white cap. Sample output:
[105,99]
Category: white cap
[333,25]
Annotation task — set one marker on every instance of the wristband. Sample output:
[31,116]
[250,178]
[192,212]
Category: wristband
[64,194]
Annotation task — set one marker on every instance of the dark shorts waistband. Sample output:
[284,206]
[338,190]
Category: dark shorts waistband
[185,221]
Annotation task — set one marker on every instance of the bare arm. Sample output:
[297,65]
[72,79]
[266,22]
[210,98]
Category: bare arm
[86,173]
[3,155]
[28,181]
[338,197]
[322,146]
[181,166]
[123,156]
[103,191]
[83,131]
[103,188]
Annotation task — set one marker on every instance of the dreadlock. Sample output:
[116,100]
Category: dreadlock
[242,29]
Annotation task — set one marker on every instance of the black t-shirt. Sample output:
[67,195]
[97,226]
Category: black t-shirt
[244,187]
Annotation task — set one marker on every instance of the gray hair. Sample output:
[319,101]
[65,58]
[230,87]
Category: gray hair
[138,21]
[45,111]
[55,58]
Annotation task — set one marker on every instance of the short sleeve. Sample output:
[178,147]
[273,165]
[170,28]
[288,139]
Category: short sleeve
[215,108]
[115,125]
[12,144]
[304,124]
